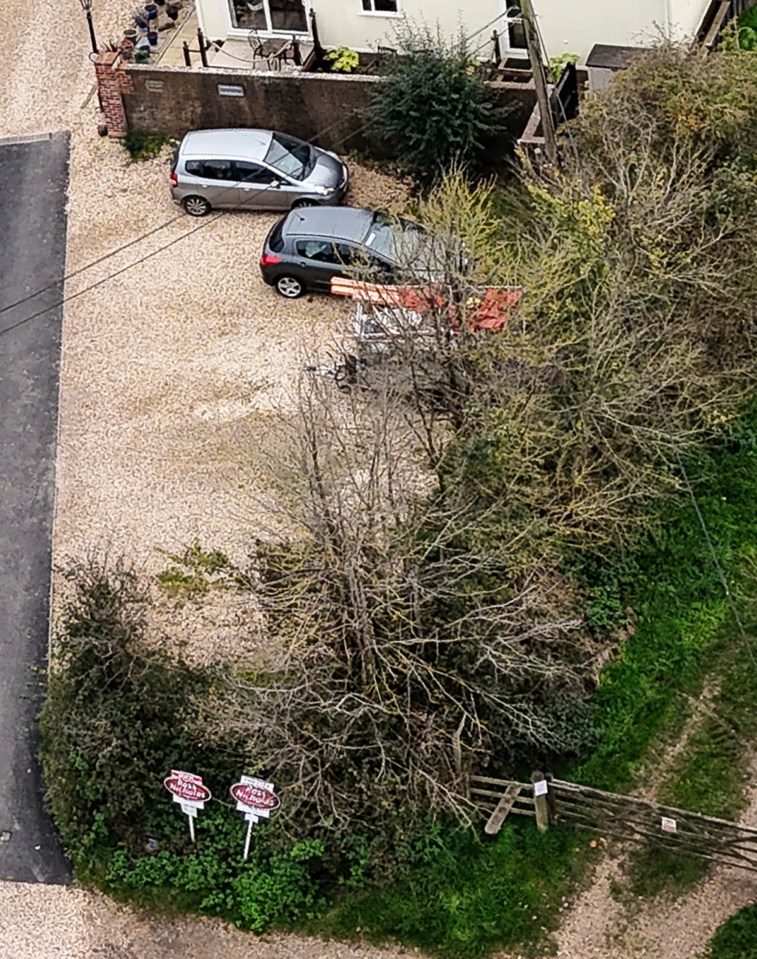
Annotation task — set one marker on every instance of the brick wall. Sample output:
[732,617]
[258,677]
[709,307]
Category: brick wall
[322,107]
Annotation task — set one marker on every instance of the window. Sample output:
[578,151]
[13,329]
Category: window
[247,172]
[290,155]
[270,16]
[210,169]
[322,251]
[380,6]
[516,28]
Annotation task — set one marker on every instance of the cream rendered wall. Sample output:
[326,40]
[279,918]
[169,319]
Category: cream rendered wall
[575,26]
[213,18]
[686,16]
[567,26]
[343,22]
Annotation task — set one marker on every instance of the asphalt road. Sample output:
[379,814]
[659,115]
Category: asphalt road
[33,183]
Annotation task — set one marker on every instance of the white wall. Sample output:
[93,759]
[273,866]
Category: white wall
[575,26]
[686,16]
[567,26]
[343,22]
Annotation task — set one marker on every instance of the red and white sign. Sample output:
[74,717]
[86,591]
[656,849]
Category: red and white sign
[189,791]
[255,796]
[256,799]
[669,825]
[187,788]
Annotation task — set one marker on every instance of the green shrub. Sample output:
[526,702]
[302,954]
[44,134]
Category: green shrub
[736,938]
[144,146]
[436,109]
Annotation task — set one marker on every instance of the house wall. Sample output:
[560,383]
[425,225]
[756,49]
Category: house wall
[686,17]
[575,27]
[344,23]
[565,27]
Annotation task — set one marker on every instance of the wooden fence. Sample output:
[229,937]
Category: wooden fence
[550,800]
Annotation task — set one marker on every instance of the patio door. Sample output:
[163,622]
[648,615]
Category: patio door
[271,16]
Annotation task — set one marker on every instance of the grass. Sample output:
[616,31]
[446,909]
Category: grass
[468,897]
[685,625]
[736,938]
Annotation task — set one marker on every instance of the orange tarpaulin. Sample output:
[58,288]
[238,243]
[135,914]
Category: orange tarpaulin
[488,311]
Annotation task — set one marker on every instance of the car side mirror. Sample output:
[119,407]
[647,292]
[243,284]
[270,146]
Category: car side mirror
[275,183]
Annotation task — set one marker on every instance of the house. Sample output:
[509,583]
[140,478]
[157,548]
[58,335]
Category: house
[366,24]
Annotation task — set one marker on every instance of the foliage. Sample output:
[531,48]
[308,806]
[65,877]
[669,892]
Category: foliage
[737,937]
[272,886]
[436,109]
[746,29]
[144,146]
[557,64]
[460,897]
[682,620]
[195,571]
[113,720]
[343,60]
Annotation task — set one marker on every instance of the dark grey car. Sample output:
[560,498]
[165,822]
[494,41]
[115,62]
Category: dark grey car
[254,170]
[308,247]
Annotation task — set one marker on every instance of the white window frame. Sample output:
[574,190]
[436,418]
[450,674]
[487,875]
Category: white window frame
[380,13]
[269,32]
[508,19]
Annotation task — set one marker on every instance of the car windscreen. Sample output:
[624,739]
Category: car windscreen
[393,238]
[289,155]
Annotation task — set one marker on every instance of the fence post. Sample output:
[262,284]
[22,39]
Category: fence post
[203,47]
[541,803]
[187,55]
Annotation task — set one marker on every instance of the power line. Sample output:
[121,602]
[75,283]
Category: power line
[143,236]
[146,235]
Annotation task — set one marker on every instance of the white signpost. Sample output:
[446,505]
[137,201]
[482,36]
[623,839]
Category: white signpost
[257,800]
[189,791]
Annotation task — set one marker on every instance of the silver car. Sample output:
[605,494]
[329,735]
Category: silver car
[253,170]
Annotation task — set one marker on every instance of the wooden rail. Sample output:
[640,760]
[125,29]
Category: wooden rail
[612,814]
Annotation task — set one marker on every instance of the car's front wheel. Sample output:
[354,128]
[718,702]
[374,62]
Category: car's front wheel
[196,205]
[290,287]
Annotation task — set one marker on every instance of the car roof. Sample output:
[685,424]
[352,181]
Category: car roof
[340,222]
[234,142]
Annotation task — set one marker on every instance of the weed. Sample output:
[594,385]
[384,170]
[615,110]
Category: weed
[144,146]
[195,571]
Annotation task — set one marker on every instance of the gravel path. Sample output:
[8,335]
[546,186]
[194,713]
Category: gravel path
[171,375]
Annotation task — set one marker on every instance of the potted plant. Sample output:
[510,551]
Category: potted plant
[126,47]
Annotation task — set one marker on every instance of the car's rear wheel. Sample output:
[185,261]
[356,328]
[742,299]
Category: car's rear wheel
[301,204]
[289,286]
[196,205]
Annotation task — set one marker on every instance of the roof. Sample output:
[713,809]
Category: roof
[339,222]
[606,56]
[234,142]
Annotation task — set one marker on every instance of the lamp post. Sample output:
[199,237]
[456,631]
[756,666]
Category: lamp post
[86,6]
